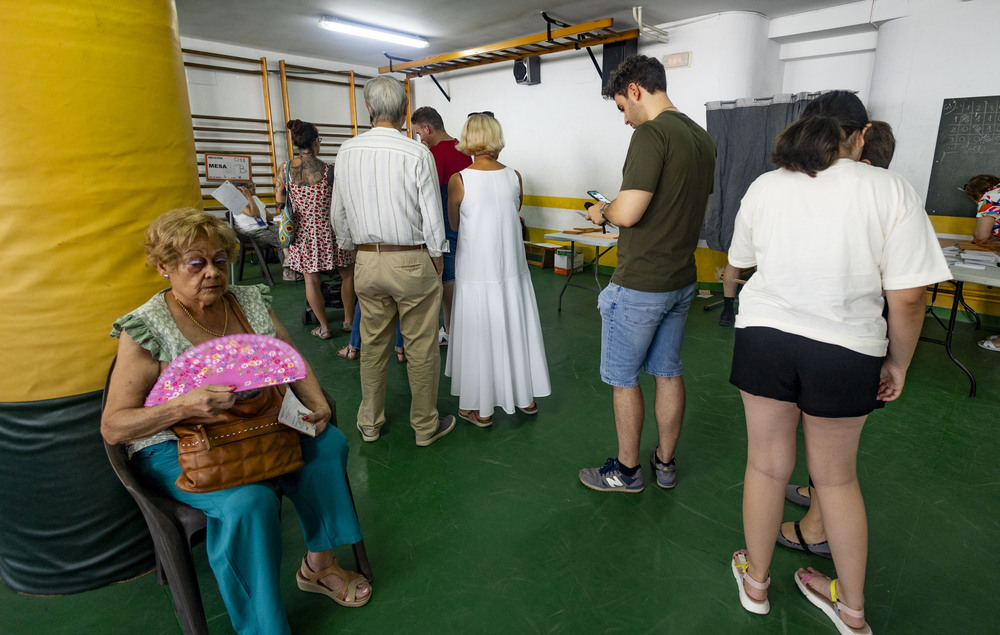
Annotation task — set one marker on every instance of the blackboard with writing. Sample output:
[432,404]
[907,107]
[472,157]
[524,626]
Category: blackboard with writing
[968,144]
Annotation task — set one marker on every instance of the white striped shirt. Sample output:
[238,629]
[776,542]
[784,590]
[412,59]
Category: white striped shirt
[386,191]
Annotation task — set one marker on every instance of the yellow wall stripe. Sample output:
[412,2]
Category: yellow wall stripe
[711,263]
[556,202]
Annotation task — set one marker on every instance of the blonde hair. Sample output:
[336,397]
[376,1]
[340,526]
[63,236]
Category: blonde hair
[172,232]
[481,134]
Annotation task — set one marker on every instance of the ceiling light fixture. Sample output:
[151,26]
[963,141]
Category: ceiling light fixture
[375,33]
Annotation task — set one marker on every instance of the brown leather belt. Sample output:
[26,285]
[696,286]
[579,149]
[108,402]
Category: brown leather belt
[379,247]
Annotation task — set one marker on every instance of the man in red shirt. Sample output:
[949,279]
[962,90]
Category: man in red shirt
[429,126]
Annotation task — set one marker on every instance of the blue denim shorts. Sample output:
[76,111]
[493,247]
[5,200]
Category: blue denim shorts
[448,270]
[641,330]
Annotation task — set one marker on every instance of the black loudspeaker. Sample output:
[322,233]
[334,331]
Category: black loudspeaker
[615,53]
[526,71]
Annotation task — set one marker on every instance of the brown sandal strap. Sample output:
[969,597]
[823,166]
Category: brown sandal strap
[350,579]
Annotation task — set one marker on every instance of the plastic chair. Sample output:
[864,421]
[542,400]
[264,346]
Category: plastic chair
[176,527]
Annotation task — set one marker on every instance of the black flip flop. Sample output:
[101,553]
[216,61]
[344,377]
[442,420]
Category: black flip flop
[821,549]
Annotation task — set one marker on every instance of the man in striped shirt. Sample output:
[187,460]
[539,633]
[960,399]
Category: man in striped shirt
[387,205]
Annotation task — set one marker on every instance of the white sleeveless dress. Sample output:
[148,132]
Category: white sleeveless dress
[496,356]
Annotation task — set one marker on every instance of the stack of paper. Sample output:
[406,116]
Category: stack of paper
[952,253]
[982,258]
[968,254]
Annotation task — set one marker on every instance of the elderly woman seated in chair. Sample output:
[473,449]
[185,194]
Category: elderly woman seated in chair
[191,250]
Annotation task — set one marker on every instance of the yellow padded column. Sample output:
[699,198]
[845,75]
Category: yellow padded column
[96,143]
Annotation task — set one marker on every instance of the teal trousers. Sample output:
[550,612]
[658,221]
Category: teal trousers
[243,538]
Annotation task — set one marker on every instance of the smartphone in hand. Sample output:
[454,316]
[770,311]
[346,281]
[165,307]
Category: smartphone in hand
[597,196]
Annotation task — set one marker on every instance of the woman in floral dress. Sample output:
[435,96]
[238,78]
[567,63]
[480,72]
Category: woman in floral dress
[308,187]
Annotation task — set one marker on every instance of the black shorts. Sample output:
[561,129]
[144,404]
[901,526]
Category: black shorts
[823,380]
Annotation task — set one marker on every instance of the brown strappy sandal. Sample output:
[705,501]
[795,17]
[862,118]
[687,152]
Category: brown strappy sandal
[348,594]
[473,417]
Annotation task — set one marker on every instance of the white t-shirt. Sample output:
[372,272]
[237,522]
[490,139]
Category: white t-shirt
[248,223]
[826,247]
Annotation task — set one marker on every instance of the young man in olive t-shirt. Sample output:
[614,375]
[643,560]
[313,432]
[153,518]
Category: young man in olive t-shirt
[666,182]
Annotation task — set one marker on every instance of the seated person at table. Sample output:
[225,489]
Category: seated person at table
[984,189]
[257,222]
[191,250]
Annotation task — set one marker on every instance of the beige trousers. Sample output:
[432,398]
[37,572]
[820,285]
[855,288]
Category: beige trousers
[403,287]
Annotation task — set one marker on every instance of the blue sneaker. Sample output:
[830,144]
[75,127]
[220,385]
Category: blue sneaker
[666,473]
[610,478]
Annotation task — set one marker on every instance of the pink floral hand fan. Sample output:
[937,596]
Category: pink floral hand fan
[244,360]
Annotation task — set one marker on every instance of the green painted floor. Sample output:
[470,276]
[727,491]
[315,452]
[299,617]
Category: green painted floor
[489,531]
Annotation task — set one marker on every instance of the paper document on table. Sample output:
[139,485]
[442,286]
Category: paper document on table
[291,413]
[232,198]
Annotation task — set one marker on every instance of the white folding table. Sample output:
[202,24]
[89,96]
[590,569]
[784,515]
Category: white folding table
[960,275]
[594,239]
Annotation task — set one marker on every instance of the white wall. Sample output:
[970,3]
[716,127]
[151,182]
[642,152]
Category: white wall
[923,52]
[238,95]
[943,49]
[565,138]
[847,71]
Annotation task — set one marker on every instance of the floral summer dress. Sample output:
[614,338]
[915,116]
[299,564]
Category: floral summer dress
[989,205]
[315,247]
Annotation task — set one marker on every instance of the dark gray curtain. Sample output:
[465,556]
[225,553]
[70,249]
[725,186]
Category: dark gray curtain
[743,131]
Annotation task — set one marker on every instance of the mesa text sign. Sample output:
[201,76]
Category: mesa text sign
[223,167]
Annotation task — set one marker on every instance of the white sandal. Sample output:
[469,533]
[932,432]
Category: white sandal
[740,565]
[991,343]
[832,608]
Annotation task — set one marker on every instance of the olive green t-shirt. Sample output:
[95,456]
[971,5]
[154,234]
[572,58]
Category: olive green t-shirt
[674,158]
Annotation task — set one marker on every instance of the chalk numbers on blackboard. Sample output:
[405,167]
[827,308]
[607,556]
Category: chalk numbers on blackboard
[968,125]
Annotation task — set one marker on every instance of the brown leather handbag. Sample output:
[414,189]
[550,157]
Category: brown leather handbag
[244,444]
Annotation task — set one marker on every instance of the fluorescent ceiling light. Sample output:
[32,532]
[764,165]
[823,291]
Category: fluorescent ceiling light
[351,28]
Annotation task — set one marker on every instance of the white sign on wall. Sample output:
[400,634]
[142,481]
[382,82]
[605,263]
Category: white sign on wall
[227,167]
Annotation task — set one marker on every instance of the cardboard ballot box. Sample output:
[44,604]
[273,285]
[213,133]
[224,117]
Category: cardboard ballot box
[562,261]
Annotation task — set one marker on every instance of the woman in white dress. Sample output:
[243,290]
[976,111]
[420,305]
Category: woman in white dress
[496,357]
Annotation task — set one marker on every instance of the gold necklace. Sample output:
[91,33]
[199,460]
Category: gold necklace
[225,326]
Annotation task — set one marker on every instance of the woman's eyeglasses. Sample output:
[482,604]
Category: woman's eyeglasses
[485,112]
[196,265]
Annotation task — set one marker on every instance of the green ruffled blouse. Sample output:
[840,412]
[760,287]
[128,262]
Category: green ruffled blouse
[152,326]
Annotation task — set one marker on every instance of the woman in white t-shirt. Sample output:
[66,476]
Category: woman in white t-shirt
[828,235]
